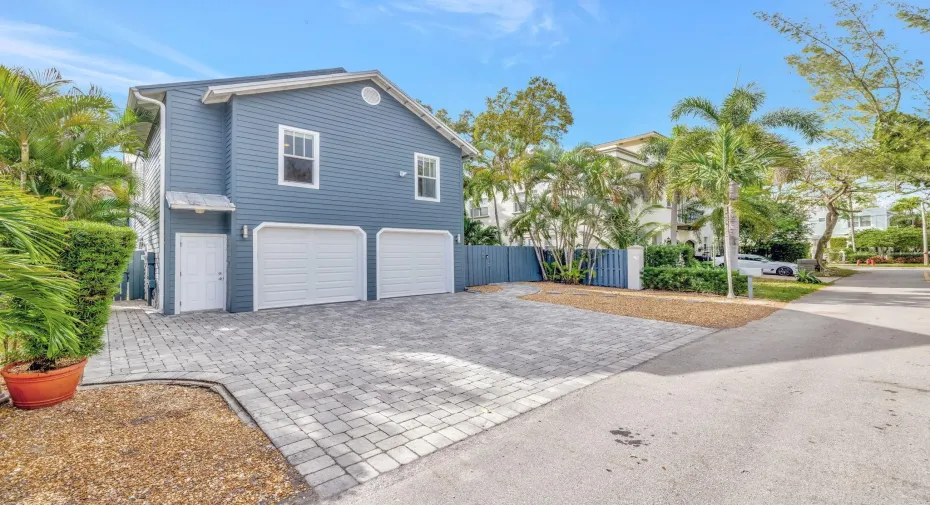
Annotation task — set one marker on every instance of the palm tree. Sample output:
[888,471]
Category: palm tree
[622,228]
[491,174]
[35,297]
[33,108]
[478,234]
[576,189]
[731,160]
[737,112]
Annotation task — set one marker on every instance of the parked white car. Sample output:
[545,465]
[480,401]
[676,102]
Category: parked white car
[768,266]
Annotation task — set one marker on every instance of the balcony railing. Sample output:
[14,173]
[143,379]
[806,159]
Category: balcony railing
[689,217]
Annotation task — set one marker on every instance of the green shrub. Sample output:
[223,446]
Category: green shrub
[858,256]
[838,243]
[698,280]
[806,277]
[668,255]
[96,256]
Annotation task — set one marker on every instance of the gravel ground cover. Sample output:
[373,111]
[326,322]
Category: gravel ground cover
[487,288]
[687,308]
[140,444]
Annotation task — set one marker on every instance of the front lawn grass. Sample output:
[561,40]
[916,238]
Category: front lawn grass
[836,272]
[782,291]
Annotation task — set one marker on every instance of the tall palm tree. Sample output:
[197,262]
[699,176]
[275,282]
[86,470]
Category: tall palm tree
[737,112]
[731,159]
[33,108]
[492,175]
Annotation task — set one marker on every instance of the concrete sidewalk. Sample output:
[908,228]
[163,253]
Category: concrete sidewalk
[827,402]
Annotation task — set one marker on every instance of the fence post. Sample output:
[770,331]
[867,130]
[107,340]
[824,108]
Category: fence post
[635,260]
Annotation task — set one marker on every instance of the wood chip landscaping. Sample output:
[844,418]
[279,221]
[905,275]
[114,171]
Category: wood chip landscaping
[487,288]
[687,308]
[140,444]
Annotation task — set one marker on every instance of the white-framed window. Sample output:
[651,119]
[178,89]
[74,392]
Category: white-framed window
[426,178]
[862,221]
[298,157]
[479,211]
[518,204]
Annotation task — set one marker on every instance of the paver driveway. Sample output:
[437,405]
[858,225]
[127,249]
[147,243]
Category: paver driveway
[347,391]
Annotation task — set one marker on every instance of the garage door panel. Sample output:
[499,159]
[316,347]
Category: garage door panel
[304,266]
[413,263]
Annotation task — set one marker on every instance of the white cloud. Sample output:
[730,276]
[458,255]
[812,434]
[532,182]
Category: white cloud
[36,46]
[158,49]
[508,15]
[592,7]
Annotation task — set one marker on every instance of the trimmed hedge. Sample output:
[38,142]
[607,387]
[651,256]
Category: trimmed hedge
[668,255]
[899,257]
[698,280]
[96,256]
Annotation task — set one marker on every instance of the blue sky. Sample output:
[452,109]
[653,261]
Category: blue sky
[622,64]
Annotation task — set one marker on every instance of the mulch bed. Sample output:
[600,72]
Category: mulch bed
[140,444]
[488,288]
[710,311]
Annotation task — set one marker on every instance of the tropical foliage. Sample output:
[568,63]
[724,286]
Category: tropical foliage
[56,169]
[479,234]
[732,160]
[55,140]
[36,296]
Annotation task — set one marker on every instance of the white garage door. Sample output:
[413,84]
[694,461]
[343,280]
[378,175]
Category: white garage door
[308,265]
[414,262]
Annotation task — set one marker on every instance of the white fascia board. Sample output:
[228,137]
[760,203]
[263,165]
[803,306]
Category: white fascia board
[221,94]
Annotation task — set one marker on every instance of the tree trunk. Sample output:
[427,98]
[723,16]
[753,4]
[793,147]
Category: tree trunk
[673,221]
[852,224]
[923,228]
[731,225]
[832,218]
[497,221]
[727,210]
[24,159]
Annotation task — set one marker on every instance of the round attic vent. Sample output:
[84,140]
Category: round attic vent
[371,95]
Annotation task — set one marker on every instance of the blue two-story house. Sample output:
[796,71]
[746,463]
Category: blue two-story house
[296,189]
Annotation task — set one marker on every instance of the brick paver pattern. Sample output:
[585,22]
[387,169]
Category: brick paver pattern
[348,391]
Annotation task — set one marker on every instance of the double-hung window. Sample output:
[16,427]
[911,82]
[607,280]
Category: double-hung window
[426,177]
[480,211]
[862,221]
[298,157]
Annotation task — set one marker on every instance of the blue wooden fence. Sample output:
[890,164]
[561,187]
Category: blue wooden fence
[486,264]
[610,268]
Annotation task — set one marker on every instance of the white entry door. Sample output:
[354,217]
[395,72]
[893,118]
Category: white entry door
[201,272]
[414,262]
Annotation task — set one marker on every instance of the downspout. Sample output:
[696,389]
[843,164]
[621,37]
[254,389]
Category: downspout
[162,126]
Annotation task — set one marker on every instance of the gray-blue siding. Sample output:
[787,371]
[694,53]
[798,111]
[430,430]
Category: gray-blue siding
[363,148]
[232,149]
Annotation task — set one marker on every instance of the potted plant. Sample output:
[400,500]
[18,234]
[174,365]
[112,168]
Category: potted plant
[40,342]
[61,329]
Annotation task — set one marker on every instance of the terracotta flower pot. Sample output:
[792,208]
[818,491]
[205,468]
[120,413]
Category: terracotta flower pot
[35,390]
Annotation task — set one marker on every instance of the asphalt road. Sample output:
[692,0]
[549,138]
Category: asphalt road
[827,401]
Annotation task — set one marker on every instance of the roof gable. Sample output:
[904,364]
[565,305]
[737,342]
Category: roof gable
[222,93]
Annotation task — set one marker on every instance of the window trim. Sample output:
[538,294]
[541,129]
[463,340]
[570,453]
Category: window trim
[416,177]
[316,157]
[483,205]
